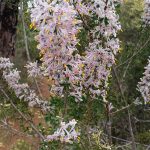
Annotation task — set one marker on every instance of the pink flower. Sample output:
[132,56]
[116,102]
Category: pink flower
[58,24]
[21,90]
[66,132]
[144,84]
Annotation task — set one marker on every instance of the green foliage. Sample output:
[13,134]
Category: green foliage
[143,137]
[131,14]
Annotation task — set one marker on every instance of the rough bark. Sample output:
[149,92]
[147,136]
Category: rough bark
[8,24]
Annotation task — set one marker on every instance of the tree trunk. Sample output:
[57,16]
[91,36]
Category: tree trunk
[8,24]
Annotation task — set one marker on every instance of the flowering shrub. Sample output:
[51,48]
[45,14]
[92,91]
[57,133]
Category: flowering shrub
[22,90]
[100,55]
[58,23]
[143,85]
[57,39]
[65,133]
[73,73]
[33,69]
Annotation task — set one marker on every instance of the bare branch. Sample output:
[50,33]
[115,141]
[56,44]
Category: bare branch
[23,116]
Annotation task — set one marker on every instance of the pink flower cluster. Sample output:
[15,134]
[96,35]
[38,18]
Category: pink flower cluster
[144,84]
[100,55]
[146,17]
[59,22]
[22,91]
[33,70]
[58,27]
[66,133]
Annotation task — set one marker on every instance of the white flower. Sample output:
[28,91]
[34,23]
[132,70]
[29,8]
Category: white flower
[58,23]
[144,84]
[33,69]
[66,132]
[21,90]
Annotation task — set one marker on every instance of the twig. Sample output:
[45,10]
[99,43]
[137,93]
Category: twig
[124,140]
[24,32]
[144,121]
[128,111]
[113,113]
[148,148]
[6,125]
[23,116]
[134,54]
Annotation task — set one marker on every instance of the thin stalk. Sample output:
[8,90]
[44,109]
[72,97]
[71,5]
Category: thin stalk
[23,116]
[128,111]
[26,47]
